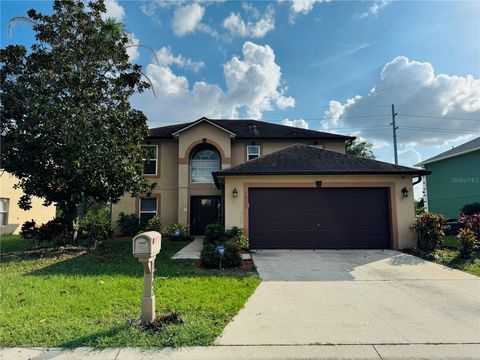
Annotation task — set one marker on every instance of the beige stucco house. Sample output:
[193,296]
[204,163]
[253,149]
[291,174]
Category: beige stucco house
[11,216]
[286,187]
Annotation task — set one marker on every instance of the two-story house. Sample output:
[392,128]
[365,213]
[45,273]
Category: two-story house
[286,187]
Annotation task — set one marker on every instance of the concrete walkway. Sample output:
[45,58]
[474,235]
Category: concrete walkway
[192,251]
[351,352]
[356,297]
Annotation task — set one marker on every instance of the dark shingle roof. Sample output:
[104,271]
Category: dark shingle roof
[251,129]
[301,159]
[469,146]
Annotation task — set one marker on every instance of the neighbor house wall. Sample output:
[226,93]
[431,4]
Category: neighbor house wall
[16,216]
[453,183]
[401,209]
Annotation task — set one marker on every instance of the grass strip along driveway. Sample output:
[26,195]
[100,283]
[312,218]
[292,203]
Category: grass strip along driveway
[75,297]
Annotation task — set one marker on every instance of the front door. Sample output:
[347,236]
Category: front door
[204,210]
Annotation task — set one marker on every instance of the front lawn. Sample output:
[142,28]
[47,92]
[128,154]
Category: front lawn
[75,297]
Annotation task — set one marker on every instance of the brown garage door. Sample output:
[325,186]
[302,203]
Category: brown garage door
[319,218]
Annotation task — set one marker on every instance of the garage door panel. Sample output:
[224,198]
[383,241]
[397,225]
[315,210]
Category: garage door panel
[319,218]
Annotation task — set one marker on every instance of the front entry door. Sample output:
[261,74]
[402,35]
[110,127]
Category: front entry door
[204,210]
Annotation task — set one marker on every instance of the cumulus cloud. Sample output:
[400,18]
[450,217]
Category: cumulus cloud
[114,10]
[187,18]
[253,85]
[256,27]
[133,51]
[302,7]
[165,57]
[432,108]
[374,8]
[299,123]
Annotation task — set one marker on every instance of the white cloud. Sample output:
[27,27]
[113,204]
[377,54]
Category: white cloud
[114,10]
[302,7]
[440,103]
[187,18]
[253,85]
[256,27]
[133,51]
[165,57]
[374,8]
[343,54]
[299,123]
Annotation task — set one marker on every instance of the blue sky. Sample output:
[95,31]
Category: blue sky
[308,63]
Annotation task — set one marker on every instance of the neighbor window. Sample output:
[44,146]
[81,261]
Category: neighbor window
[3,211]
[202,164]
[253,152]
[148,209]
[150,165]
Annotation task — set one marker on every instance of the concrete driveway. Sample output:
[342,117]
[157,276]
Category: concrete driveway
[356,297]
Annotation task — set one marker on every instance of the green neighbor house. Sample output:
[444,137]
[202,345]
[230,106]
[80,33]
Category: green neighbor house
[455,179]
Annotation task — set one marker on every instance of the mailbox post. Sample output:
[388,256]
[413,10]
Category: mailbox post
[146,246]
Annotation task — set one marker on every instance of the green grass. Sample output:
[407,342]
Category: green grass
[451,241]
[89,298]
[10,243]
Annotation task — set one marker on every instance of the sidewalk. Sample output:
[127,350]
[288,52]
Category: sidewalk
[351,352]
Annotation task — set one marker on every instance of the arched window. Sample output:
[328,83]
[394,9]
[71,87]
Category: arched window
[202,163]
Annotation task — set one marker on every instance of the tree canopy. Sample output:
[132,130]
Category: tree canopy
[361,148]
[68,130]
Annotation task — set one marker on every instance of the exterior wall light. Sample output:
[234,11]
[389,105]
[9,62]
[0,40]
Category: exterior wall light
[405,192]
[235,192]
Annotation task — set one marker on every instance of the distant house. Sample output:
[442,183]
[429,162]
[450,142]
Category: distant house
[11,216]
[455,179]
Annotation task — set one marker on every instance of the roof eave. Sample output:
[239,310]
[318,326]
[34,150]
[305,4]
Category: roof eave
[323,172]
[177,133]
[434,159]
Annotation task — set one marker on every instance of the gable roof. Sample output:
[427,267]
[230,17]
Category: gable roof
[248,130]
[469,146]
[302,159]
[202,120]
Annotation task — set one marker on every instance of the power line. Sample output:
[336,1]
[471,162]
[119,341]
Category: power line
[439,117]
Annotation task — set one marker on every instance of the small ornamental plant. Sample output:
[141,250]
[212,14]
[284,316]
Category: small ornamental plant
[430,229]
[471,222]
[467,241]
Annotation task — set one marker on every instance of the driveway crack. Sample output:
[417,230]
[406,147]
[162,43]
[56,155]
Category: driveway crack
[380,356]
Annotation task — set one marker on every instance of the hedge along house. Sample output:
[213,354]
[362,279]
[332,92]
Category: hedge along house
[455,179]
[287,187]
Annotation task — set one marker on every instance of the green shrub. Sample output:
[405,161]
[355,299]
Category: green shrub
[214,234]
[468,241]
[430,229]
[176,232]
[470,209]
[129,224]
[94,227]
[29,231]
[210,258]
[154,224]
[236,235]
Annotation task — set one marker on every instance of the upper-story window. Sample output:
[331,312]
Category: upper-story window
[203,162]
[3,211]
[150,166]
[253,152]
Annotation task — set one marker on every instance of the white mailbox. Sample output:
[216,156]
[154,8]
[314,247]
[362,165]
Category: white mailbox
[147,244]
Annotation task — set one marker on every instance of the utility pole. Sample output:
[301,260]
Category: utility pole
[395,127]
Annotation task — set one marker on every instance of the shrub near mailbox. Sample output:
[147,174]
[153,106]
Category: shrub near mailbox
[147,244]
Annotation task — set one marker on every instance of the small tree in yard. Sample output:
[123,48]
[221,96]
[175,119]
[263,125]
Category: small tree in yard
[430,228]
[68,130]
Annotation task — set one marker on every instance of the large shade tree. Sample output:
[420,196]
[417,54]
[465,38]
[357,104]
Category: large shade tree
[68,130]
